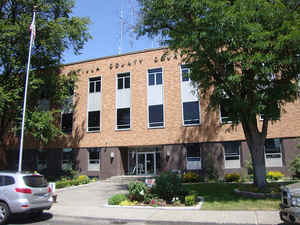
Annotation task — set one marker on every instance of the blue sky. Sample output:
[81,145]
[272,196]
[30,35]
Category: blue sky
[105,29]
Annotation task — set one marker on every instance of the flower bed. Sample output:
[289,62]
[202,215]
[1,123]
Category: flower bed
[166,191]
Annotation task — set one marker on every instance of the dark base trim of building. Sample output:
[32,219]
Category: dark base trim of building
[206,159]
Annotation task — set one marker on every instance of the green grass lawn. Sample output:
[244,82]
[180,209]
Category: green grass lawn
[220,196]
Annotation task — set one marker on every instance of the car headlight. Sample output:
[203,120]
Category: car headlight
[296,201]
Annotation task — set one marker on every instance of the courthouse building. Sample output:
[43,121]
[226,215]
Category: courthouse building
[138,114]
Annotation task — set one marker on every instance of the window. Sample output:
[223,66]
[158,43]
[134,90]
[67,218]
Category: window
[41,159]
[224,114]
[185,73]
[273,153]
[94,121]
[6,180]
[67,122]
[193,157]
[94,159]
[95,84]
[123,118]
[232,154]
[155,77]
[191,113]
[156,116]
[67,159]
[124,81]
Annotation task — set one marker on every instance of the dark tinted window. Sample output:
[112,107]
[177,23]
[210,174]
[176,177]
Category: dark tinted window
[191,114]
[6,180]
[123,80]
[154,76]
[232,150]
[35,181]
[94,121]
[185,73]
[67,122]
[95,84]
[156,116]
[123,118]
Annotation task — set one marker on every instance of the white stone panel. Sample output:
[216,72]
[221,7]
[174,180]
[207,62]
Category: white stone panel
[189,92]
[123,98]
[155,95]
[94,101]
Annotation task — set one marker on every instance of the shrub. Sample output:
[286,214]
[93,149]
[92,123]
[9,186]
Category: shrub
[128,203]
[232,177]
[62,183]
[295,166]
[83,179]
[190,177]
[274,175]
[190,200]
[167,186]
[117,199]
[137,191]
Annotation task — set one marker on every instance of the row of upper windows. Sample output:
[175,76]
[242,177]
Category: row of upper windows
[155,77]
[190,109]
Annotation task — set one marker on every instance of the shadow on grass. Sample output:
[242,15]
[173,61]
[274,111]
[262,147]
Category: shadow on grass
[221,196]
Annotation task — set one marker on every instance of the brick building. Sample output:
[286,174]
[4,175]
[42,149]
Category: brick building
[139,114]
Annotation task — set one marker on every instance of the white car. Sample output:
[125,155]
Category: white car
[23,193]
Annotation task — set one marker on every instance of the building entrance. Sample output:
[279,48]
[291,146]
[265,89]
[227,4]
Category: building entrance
[144,161]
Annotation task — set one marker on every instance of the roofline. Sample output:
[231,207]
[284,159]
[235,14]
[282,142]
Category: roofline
[114,56]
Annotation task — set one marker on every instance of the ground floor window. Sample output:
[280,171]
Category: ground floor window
[273,154]
[41,159]
[67,159]
[193,157]
[94,159]
[232,155]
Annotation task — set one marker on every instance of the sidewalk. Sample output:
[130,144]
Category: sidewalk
[89,202]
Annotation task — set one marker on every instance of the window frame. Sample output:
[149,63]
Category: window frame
[270,156]
[117,125]
[88,127]
[91,166]
[155,72]
[226,144]
[223,119]
[94,81]
[123,77]
[61,123]
[183,113]
[163,117]
[190,147]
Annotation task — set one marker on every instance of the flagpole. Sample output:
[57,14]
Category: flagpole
[25,92]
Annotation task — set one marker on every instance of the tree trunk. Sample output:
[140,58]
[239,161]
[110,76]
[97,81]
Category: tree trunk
[256,143]
[258,161]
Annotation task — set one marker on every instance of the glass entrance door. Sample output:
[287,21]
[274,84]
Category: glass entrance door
[146,163]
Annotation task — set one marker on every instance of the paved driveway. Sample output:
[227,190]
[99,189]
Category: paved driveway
[88,202]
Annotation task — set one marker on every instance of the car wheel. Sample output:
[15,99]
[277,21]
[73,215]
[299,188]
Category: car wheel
[4,213]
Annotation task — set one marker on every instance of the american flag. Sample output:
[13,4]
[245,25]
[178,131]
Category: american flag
[32,27]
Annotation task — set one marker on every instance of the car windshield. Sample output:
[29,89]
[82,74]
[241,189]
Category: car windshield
[35,181]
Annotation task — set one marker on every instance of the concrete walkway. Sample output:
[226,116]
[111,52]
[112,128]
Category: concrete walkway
[89,201]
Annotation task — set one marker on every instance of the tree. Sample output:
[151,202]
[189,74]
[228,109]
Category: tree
[244,53]
[56,31]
